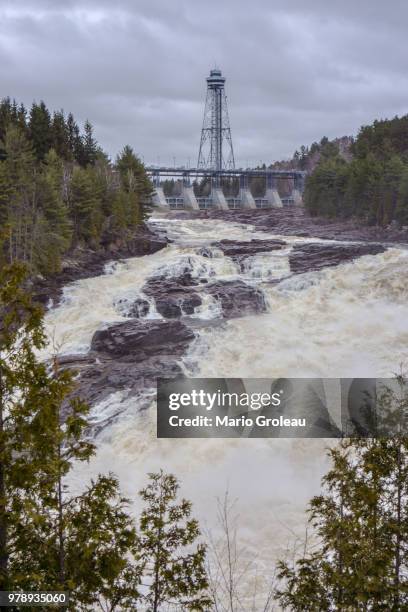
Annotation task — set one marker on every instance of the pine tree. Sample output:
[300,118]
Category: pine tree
[106,180]
[54,230]
[174,571]
[362,523]
[60,136]
[19,173]
[21,119]
[23,399]
[134,178]
[107,567]
[74,139]
[40,129]
[401,213]
[6,191]
[85,206]
[120,209]
[90,146]
[49,539]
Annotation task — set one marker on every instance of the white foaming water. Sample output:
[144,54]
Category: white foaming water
[351,320]
[266,266]
[347,321]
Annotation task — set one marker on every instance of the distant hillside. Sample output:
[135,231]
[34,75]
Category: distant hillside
[366,178]
[308,158]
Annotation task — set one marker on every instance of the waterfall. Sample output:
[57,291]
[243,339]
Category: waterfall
[348,320]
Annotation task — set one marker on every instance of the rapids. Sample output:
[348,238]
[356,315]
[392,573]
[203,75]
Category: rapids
[349,320]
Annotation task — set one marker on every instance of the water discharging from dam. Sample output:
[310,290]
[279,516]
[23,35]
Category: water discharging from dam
[349,320]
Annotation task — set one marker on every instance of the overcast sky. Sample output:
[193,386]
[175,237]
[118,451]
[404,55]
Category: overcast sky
[296,69]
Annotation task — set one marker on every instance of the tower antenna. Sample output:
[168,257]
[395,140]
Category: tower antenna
[216,151]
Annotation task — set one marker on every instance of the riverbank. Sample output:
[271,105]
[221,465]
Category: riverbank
[87,263]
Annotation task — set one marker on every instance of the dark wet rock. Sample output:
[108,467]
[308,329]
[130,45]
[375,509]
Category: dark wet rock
[87,263]
[315,256]
[177,304]
[173,296]
[236,248]
[134,309]
[178,296]
[296,221]
[237,298]
[128,357]
[141,339]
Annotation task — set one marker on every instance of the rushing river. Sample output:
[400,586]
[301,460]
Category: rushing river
[350,320]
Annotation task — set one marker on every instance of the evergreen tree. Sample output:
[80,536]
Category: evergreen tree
[84,206]
[90,146]
[21,118]
[54,230]
[174,571]
[362,523]
[133,176]
[24,399]
[40,129]
[107,568]
[120,211]
[401,213]
[5,116]
[324,192]
[5,196]
[60,136]
[107,183]
[49,539]
[74,139]
[19,195]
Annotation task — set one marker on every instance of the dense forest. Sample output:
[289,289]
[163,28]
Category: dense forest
[59,190]
[372,185]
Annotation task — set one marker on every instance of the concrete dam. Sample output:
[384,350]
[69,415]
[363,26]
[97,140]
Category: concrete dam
[219,185]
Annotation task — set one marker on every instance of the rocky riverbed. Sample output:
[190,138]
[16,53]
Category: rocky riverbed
[160,320]
[285,221]
[296,221]
[226,300]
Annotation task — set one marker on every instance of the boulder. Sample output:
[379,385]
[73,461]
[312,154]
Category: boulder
[136,340]
[315,256]
[234,248]
[134,309]
[128,358]
[237,298]
[174,296]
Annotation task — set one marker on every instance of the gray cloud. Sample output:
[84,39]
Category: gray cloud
[295,70]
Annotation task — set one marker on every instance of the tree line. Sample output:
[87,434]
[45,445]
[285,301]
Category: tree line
[89,543]
[59,190]
[373,185]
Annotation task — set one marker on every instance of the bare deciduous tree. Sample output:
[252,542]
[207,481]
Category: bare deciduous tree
[237,583]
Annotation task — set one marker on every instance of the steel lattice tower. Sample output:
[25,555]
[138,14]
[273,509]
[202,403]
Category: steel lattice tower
[216,131]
